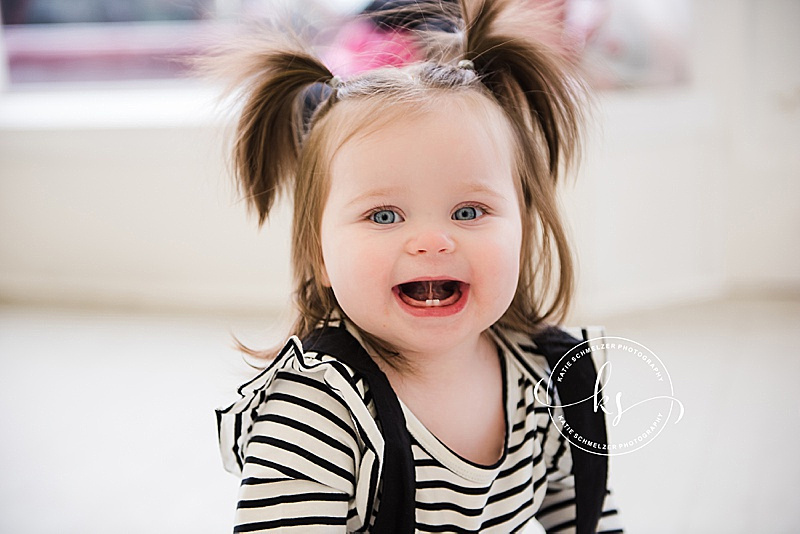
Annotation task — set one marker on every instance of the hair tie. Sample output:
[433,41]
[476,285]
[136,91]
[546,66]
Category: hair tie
[334,82]
[466,64]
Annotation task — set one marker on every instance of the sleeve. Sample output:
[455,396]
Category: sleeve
[557,512]
[299,472]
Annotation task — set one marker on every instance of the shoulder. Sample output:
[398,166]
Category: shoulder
[550,343]
[535,352]
[568,355]
[303,392]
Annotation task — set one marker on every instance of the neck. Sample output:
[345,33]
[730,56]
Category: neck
[457,394]
[444,365]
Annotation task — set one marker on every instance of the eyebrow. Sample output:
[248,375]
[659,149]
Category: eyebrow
[375,193]
[477,187]
[473,188]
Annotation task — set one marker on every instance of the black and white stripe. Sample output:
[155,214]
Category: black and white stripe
[305,436]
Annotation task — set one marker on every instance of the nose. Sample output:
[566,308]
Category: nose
[430,241]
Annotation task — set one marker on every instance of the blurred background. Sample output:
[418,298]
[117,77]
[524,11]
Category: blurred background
[127,260]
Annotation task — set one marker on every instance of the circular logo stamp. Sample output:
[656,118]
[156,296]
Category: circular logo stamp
[617,378]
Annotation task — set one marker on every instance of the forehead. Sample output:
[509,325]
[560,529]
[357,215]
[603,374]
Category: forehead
[363,117]
[466,131]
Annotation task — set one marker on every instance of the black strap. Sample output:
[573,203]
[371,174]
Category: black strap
[590,470]
[396,512]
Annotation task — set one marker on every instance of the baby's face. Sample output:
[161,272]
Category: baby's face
[421,232]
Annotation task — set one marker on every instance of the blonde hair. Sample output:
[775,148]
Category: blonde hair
[495,56]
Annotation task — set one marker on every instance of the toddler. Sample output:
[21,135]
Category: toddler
[430,268]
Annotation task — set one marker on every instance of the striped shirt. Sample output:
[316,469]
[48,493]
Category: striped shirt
[305,441]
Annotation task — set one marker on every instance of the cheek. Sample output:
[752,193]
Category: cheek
[359,280]
[328,257]
[504,260]
[349,263]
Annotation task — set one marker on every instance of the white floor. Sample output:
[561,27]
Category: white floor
[108,426]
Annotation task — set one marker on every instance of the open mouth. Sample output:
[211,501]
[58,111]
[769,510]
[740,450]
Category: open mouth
[430,293]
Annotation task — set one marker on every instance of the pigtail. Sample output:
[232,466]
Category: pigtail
[512,48]
[270,79]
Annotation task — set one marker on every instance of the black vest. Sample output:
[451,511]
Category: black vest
[397,510]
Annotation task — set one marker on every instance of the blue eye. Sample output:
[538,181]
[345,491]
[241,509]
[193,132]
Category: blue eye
[467,213]
[385,216]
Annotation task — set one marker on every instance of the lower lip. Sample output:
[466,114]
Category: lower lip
[434,311]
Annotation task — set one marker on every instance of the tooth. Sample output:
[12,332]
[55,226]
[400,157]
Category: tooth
[432,302]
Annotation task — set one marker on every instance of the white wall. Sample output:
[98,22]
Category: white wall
[128,206]
[120,197]
[697,189]
[763,249]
